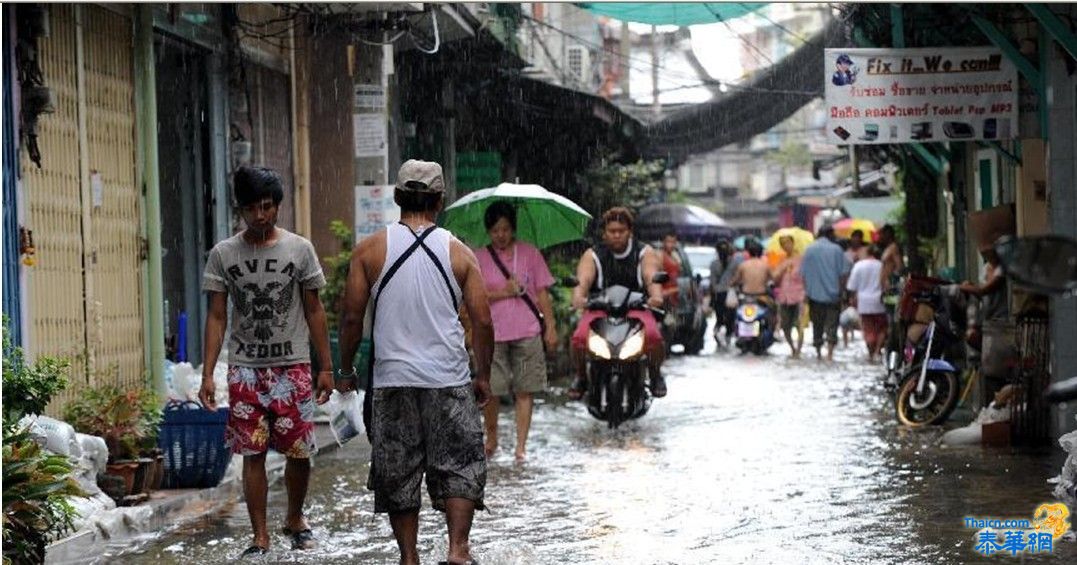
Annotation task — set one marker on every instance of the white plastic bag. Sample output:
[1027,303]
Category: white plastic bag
[731,300]
[345,415]
[849,318]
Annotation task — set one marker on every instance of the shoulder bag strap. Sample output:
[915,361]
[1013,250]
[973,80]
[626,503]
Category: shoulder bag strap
[524,296]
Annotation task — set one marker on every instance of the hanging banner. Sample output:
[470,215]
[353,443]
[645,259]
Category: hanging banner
[919,95]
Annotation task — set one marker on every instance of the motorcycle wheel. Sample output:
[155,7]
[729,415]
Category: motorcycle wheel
[757,347]
[614,400]
[933,407]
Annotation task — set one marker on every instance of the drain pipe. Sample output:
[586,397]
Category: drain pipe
[146,85]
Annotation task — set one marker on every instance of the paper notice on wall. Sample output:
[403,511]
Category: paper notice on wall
[919,95]
[371,135]
[369,97]
[97,189]
[374,209]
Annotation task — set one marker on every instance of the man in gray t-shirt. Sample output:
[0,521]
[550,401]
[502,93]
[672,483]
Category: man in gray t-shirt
[272,277]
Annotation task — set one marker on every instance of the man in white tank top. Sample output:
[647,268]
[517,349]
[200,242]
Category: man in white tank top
[424,410]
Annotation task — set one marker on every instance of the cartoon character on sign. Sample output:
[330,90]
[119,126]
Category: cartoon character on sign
[1052,518]
[846,73]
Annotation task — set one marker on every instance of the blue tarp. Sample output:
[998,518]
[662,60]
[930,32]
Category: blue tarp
[673,13]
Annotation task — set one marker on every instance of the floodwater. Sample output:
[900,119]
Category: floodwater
[748,460]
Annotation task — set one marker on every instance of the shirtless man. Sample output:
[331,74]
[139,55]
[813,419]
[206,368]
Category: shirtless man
[893,264]
[752,277]
[753,274]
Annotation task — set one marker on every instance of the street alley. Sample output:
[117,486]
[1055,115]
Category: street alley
[748,460]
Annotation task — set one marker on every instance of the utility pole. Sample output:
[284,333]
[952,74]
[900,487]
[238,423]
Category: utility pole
[656,106]
[856,167]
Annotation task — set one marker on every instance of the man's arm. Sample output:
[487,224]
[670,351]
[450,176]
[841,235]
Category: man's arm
[216,323]
[319,334]
[356,297]
[478,310]
[650,264]
[585,274]
[737,276]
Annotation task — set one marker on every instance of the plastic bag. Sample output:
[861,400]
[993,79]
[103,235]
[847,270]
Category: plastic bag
[345,415]
[850,318]
[731,300]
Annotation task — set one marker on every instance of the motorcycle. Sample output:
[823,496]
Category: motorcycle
[753,325]
[929,390]
[617,364]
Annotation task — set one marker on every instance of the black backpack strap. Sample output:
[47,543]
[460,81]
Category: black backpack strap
[524,296]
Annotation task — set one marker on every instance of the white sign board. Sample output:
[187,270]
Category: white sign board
[371,135]
[369,96]
[919,95]
[374,209]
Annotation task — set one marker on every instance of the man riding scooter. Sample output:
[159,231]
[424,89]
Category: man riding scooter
[753,277]
[618,260]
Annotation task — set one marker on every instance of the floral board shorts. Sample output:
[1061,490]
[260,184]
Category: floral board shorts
[271,407]
[434,431]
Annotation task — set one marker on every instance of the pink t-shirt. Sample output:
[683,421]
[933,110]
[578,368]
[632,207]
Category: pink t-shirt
[791,288]
[513,320]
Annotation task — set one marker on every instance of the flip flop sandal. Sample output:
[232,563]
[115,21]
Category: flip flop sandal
[252,551]
[303,539]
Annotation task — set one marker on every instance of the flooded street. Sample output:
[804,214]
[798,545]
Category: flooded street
[747,460]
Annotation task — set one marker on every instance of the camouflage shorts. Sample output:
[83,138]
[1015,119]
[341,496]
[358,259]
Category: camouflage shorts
[436,431]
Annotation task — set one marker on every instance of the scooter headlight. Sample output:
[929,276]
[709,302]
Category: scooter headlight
[598,346]
[631,347]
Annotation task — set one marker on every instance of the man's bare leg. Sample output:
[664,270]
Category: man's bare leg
[490,414]
[255,490]
[406,530]
[296,480]
[459,513]
[525,404]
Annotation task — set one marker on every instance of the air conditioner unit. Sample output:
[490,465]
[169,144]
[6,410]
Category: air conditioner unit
[579,63]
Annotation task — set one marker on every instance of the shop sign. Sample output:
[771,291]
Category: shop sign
[919,95]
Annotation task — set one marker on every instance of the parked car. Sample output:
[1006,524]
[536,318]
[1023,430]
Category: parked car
[686,325]
[701,257]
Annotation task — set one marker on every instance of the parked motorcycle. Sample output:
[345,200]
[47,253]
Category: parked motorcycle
[754,331]
[617,364]
[931,387]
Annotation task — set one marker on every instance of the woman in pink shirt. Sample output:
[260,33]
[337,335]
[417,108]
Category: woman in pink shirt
[517,283]
[790,294]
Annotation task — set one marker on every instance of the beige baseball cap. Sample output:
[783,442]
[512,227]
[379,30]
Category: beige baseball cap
[420,176]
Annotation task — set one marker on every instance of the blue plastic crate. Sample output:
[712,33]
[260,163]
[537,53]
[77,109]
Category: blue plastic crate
[192,440]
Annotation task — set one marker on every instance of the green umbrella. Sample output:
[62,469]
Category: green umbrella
[543,218]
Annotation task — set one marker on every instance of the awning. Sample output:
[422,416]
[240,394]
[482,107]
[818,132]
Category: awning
[748,109]
[877,210]
[672,13]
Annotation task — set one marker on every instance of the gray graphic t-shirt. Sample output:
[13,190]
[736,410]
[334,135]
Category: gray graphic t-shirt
[267,326]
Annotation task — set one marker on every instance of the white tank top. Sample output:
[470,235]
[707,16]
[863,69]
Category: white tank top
[418,337]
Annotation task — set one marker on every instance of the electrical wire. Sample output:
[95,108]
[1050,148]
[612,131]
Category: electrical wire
[796,36]
[437,36]
[743,39]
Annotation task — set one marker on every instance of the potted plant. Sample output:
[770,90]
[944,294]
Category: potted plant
[124,418]
[36,484]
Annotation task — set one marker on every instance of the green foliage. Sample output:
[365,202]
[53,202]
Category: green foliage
[36,485]
[615,184]
[29,388]
[126,420]
[337,277]
[791,154]
[561,297]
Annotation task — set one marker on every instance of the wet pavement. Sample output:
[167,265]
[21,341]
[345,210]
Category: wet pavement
[747,460]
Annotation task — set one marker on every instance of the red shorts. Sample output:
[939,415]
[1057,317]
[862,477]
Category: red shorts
[873,327]
[651,334]
[271,407]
